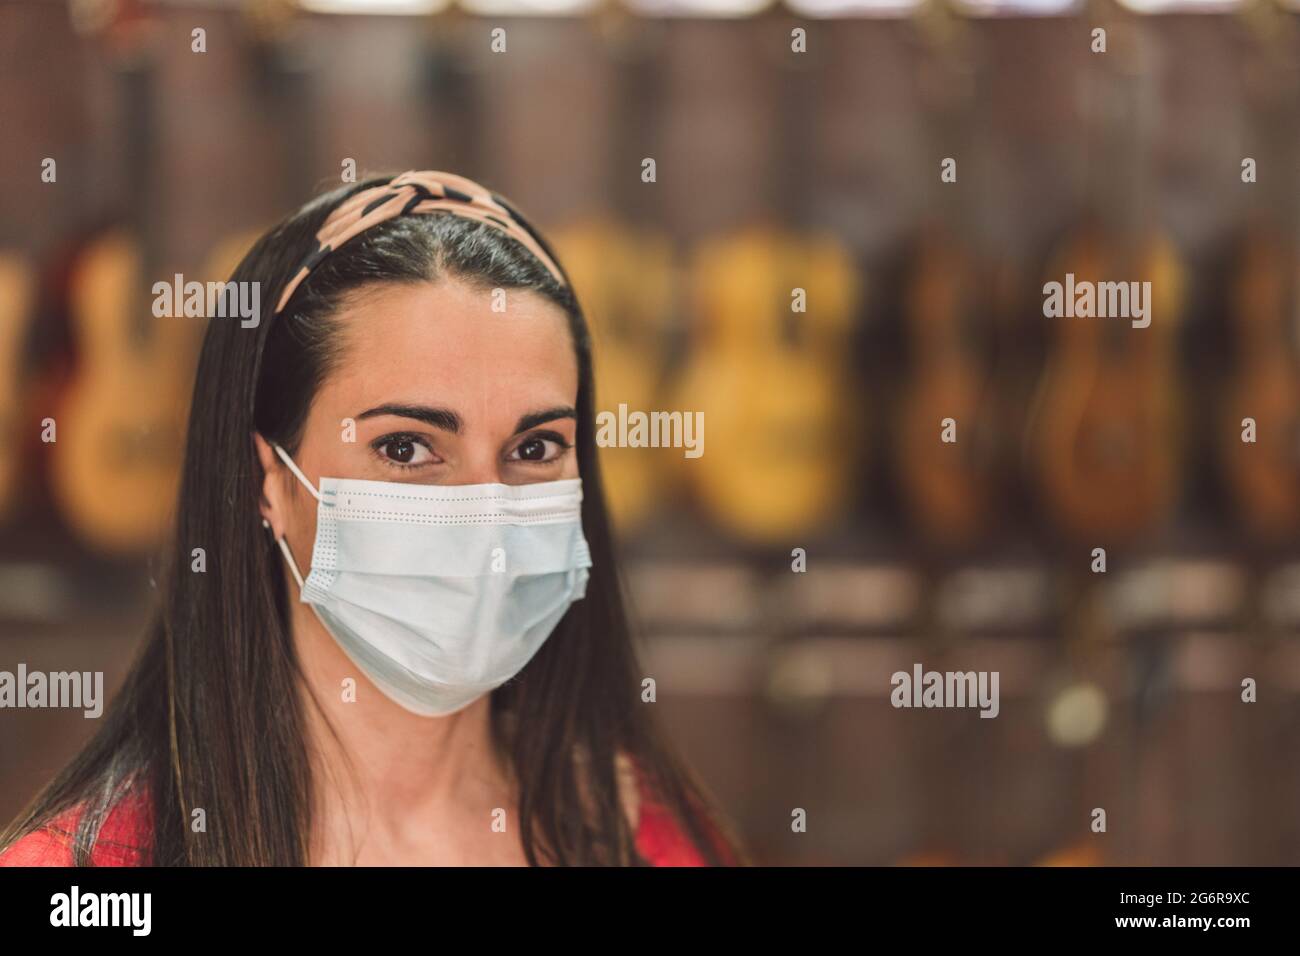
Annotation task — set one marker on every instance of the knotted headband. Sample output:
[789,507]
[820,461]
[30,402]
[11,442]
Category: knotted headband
[413,192]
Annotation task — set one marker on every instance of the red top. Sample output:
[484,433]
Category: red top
[123,838]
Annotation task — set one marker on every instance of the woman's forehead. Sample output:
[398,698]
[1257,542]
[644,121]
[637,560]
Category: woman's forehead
[483,352]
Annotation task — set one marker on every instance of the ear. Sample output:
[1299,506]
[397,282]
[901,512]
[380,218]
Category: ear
[273,504]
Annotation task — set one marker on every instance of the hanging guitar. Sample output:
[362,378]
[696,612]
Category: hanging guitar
[1263,475]
[622,267]
[1105,424]
[116,459]
[949,311]
[775,383]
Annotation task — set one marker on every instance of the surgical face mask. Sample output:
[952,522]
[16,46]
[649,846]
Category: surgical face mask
[440,593]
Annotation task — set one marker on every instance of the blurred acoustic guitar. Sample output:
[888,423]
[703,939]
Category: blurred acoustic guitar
[623,266]
[17,298]
[784,429]
[952,304]
[1105,417]
[624,279]
[950,487]
[116,459]
[774,384]
[1264,476]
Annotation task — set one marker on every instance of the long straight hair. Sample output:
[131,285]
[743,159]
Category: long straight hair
[211,714]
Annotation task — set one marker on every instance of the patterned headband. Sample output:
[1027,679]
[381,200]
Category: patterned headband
[425,191]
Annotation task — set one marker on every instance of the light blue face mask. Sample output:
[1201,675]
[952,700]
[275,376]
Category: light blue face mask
[440,593]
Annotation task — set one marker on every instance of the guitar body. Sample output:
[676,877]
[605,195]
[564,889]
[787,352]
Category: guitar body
[118,449]
[1106,418]
[774,428]
[1264,476]
[781,442]
[948,486]
[624,280]
[17,295]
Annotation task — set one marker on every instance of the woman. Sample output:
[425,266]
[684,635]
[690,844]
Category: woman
[405,644]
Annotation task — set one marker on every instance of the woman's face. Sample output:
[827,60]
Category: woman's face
[435,387]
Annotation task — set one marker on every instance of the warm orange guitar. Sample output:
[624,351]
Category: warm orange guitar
[950,487]
[623,264]
[771,370]
[624,279]
[1264,476]
[947,428]
[117,456]
[1105,424]
[1105,427]
[773,384]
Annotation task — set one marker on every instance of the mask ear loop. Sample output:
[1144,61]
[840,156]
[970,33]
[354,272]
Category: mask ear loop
[284,545]
[284,456]
[288,556]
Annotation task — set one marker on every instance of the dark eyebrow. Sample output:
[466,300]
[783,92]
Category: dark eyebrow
[443,418]
[533,419]
[447,420]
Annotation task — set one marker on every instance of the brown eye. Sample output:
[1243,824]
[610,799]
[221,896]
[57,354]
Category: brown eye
[539,449]
[533,450]
[402,451]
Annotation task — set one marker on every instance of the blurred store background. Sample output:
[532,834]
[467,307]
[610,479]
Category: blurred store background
[1119,690]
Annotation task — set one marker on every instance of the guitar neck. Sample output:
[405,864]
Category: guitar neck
[141,186]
